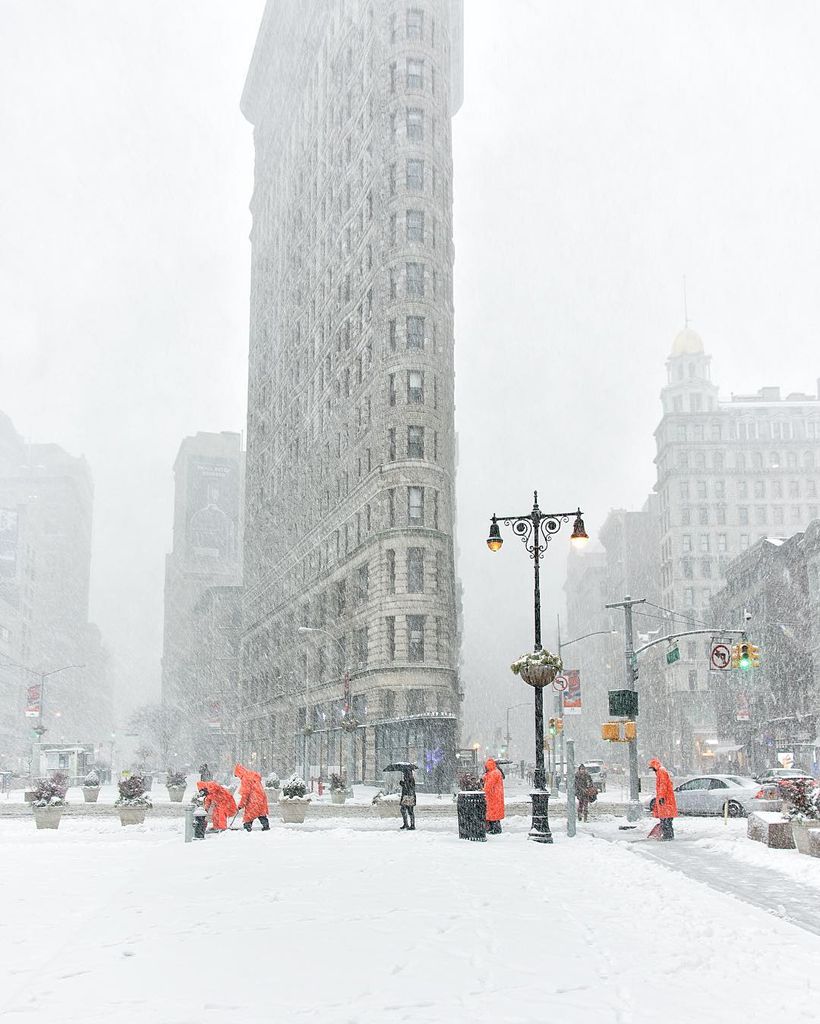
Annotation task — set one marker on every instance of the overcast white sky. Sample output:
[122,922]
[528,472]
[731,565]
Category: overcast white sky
[603,151]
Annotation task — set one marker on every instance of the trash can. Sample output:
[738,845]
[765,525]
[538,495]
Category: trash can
[472,810]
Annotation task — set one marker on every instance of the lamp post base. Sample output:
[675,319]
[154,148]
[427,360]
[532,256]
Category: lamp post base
[540,827]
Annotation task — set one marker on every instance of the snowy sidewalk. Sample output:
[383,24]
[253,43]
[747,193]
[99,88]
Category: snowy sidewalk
[345,925]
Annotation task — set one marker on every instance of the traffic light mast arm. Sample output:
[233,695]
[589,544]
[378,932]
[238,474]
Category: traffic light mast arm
[692,632]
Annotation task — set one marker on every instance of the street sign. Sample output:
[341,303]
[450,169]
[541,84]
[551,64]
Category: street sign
[560,683]
[673,655]
[720,657]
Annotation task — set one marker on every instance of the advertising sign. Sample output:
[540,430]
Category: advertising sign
[33,701]
[572,694]
[8,543]
[214,719]
[785,758]
[213,508]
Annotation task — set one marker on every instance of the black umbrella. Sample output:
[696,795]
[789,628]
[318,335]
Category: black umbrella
[401,766]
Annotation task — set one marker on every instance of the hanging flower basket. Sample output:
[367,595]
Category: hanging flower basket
[538,668]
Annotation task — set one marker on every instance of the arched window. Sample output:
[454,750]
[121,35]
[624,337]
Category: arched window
[740,461]
[717,460]
[774,460]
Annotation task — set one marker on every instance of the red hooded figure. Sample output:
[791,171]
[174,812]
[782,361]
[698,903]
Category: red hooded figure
[220,800]
[665,804]
[494,794]
[251,796]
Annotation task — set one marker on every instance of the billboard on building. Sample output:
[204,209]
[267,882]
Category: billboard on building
[213,508]
[8,542]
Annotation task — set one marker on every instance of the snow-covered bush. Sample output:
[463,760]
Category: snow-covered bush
[173,778]
[468,783]
[382,797]
[272,781]
[295,788]
[50,792]
[92,780]
[337,783]
[132,792]
[802,800]
[543,659]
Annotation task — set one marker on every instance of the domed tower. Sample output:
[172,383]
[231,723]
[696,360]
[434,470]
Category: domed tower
[689,385]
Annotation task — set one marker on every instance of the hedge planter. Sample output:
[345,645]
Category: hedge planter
[294,808]
[272,794]
[131,815]
[90,794]
[337,796]
[175,794]
[47,817]
[801,836]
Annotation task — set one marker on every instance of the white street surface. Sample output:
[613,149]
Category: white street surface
[335,925]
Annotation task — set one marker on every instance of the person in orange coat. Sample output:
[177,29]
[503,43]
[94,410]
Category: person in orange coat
[665,807]
[494,796]
[220,802]
[252,798]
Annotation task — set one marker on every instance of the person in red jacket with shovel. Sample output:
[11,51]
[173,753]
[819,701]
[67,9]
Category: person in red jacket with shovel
[252,798]
[665,807]
[219,801]
[494,796]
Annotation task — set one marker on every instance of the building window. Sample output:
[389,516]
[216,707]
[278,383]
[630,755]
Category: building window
[415,280]
[391,179]
[703,515]
[391,506]
[743,515]
[415,225]
[391,571]
[391,444]
[415,332]
[415,505]
[720,489]
[415,638]
[415,175]
[390,625]
[794,488]
[360,640]
[686,543]
[702,491]
[415,73]
[721,542]
[742,489]
[779,518]
[391,335]
[435,510]
[760,515]
[760,488]
[415,442]
[415,570]
[415,23]
[362,584]
[340,598]
[704,543]
[391,389]
[415,124]
[795,513]
[415,387]
[393,222]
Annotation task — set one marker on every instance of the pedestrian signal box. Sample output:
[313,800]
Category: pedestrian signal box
[630,731]
[623,703]
[559,724]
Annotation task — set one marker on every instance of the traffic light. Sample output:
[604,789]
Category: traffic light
[735,655]
[754,655]
[559,724]
[611,731]
[745,661]
[552,727]
[630,731]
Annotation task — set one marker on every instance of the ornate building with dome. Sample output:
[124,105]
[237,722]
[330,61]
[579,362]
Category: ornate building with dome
[730,472]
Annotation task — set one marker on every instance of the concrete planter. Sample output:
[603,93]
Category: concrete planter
[131,815]
[801,834]
[386,809]
[272,794]
[47,817]
[29,796]
[337,796]
[90,794]
[175,794]
[294,808]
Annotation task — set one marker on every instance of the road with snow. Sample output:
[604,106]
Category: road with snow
[330,924]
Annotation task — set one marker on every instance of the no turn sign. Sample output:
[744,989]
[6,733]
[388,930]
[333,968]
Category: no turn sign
[720,658]
[560,683]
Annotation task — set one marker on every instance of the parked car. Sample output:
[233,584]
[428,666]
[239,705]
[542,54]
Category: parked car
[597,773]
[777,774]
[710,794]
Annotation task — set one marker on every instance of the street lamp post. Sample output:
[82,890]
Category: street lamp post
[348,724]
[536,530]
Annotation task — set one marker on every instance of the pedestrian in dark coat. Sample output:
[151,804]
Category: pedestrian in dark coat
[493,783]
[583,787]
[205,774]
[408,800]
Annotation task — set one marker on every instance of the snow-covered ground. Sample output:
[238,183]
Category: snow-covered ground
[334,925]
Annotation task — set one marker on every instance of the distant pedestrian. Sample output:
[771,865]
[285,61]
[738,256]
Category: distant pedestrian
[205,773]
[584,790]
[252,798]
[665,807]
[219,802]
[407,787]
[493,782]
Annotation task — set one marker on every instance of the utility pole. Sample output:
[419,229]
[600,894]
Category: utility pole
[634,810]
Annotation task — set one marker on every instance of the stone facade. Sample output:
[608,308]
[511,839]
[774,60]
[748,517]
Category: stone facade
[350,500]
[729,473]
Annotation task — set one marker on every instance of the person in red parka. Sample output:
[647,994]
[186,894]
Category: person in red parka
[220,802]
[252,798]
[665,807]
[494,796]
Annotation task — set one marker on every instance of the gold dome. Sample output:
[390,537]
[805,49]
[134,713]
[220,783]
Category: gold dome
[687,343]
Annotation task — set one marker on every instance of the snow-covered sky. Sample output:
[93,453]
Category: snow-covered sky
[603,151]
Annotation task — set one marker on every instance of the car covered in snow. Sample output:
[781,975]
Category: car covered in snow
[781,774]
[716,794]
[597,772]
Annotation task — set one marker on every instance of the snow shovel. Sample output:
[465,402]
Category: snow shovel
[233,819]
[655,832]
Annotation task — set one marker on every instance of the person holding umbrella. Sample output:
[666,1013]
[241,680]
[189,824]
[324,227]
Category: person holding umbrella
[407,787]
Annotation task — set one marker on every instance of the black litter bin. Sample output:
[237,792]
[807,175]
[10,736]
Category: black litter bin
[200,823]
[472,812]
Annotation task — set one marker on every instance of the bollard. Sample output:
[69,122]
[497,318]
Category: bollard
[189,823]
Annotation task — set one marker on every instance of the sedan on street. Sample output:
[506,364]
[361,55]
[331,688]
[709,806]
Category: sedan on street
[711,794]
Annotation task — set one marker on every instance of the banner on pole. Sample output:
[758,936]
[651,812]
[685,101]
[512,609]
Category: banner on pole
[33,701]
[743,711]
[572,694]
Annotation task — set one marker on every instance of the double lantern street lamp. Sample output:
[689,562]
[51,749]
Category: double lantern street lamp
[536,529]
